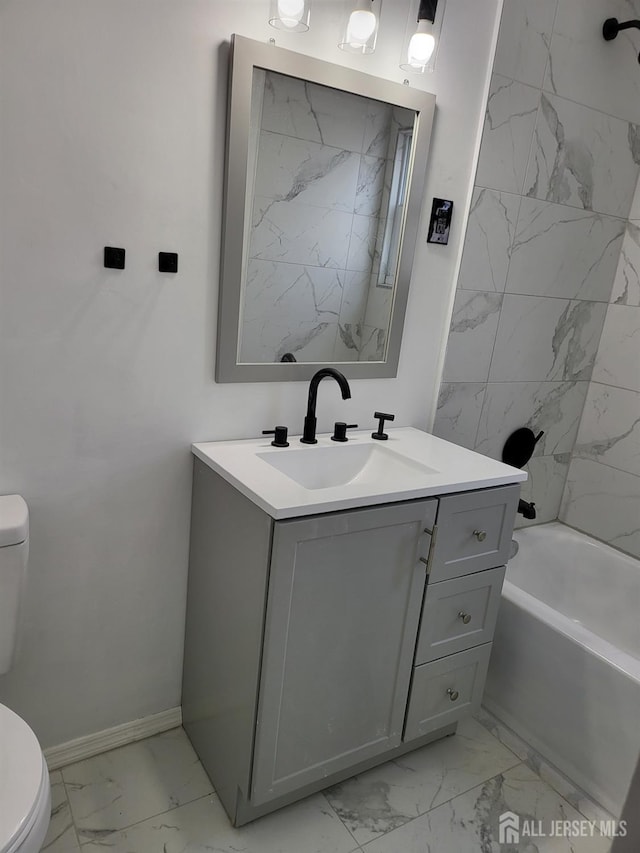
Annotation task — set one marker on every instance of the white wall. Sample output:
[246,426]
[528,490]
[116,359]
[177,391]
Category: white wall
[112,117]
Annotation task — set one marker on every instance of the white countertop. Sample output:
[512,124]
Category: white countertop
[437,467]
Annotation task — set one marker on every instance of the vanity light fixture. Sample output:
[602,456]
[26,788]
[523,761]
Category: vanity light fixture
[291,15]
[418,51]
[362,20]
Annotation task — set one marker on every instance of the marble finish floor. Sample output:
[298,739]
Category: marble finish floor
[154,797]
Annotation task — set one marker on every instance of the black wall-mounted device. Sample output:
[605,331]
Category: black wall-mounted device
[113,258]
[440,222]
[167,262]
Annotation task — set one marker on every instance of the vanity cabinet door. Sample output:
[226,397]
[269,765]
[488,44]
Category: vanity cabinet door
[345,591]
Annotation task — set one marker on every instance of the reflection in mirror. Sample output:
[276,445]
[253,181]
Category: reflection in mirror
[324,180]
[329,172]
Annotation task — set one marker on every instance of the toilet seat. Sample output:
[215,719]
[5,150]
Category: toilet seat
[24,786]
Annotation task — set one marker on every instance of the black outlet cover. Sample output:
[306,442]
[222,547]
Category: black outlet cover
[168,261]
[113,258]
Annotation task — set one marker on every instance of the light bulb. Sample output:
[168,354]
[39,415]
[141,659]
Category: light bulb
[290,12]
[361,27]
[421,46]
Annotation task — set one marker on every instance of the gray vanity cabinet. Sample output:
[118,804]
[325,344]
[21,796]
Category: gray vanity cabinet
[317,647]
[345,592]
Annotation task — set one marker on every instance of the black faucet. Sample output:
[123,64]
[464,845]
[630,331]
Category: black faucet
[527,509]
[309,431]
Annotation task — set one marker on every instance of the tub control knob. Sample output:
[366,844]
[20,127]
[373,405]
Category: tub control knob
[452,694]
[480,535]
[466,617]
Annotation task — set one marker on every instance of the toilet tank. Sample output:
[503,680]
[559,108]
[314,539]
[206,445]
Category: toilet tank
[14,550]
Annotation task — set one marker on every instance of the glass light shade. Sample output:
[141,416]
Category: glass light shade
[421,40]
[291,15]
[361,27]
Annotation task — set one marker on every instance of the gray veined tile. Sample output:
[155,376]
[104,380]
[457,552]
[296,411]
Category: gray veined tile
[546,339]
[458,414]
[132,783]
[471,336]
[202,826]
[610,428]
[552,407]
[317,113]
[61,835]
[370,186]
[618,359]
[362,246]
[298,233]
[293,169]
[586,68]
[487,243]
[544,487]
[626,285]
[389,796]
[583,158]
[560,251]
[508,130]
[603,502]
[469,823]
[523,43]
[379,306]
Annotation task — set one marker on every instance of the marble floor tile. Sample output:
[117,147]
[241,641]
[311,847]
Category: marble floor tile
[388,796]
[306,827]
[469,823]
[135,782]
[61,835]
[574,795]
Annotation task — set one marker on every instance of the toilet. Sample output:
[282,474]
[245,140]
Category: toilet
[25,791]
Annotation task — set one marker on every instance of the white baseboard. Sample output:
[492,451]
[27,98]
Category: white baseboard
[89,745]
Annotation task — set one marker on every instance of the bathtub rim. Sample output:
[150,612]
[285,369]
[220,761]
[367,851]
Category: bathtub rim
[623,661]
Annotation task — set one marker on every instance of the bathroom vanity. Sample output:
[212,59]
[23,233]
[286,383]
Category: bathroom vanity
[341,606]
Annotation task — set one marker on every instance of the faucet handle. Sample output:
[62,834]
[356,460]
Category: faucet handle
[380,434]
[280,433]
[340,430]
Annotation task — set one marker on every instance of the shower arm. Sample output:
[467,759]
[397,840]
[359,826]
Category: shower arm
[612,27]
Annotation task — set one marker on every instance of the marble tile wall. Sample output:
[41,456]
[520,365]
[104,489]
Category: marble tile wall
[319,187]
[553,237]
[602,492]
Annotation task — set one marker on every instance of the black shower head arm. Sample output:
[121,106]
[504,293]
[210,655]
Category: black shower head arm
[612,26]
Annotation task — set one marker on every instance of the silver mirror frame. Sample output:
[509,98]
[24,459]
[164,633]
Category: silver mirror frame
[247,54]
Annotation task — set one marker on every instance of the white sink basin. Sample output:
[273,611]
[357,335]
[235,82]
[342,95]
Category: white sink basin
[342,464]
[305,479]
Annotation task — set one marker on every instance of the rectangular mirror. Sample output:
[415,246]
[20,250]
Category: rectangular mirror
[324,179]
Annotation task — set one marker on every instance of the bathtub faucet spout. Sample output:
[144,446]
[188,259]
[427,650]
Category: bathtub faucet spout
[528,510]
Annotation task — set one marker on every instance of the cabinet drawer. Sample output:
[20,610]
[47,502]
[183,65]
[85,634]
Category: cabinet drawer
[473,532]
[458,614]
[445,690]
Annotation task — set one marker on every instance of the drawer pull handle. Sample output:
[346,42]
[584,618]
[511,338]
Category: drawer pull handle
[452,694]
[466,617]
[480,535]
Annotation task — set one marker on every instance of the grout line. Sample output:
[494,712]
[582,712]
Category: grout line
[584,210]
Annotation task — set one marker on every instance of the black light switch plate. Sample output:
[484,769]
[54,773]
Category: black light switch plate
[168,261]
[113,258]
[440,222]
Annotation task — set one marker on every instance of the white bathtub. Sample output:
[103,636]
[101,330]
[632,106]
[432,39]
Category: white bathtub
[565,666]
